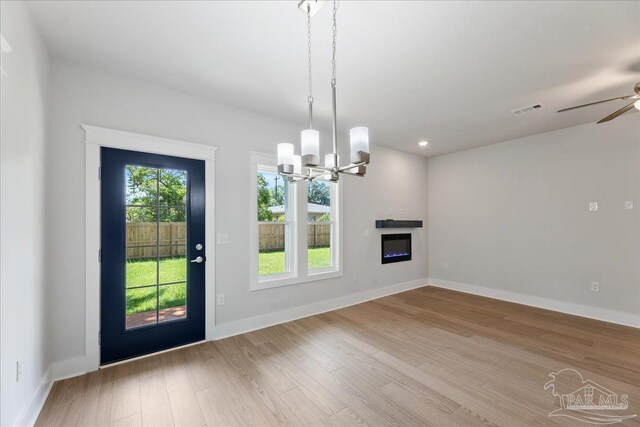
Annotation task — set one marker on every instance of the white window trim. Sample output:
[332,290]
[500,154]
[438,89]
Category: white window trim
[299,272]
[96,137]
[262,282]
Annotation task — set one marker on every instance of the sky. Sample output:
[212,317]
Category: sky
[271,178]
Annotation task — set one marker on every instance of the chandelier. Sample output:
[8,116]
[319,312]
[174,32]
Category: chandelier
[306,166]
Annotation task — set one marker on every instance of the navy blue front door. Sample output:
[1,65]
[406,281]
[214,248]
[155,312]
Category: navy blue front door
[152,275]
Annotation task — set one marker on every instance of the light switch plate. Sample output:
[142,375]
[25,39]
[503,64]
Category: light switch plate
[223,238]
[593,206]
[628,204]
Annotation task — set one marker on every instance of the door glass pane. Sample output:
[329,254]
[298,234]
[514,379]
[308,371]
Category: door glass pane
[142,272]
[173,231]
[156,218]
[142,228]
[142,306]
[137,253]
[173,302]
[142,185]
[173,270]
[142,241]
[173,227]
[173,187]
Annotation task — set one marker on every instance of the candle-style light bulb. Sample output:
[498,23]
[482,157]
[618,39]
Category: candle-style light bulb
[310,147]
[359,137]
[285,158]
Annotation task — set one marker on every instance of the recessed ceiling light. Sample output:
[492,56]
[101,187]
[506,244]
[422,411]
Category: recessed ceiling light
[423,143]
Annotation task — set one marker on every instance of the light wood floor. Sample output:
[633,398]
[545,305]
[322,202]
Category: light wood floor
[423,357]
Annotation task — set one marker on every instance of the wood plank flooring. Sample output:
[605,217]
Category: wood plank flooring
[427,357]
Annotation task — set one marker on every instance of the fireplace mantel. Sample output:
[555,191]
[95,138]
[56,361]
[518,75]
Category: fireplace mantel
[402,223]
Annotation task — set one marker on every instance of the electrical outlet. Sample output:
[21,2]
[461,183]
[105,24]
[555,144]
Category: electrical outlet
[355,276]
[18,370]
[628,204]
[445,266]
[401,211]
[366,232]
[221,299]
[593,206]
[595,286]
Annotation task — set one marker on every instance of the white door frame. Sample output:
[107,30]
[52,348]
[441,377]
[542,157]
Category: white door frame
[96,137]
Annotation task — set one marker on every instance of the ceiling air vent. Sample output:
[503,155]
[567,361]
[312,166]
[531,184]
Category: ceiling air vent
[523,110]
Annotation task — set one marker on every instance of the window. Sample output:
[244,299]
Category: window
[274,217]
[320,225]
[295,228]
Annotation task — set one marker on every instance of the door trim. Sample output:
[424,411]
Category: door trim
[95,138]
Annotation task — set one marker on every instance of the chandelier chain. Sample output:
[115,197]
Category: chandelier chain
[307,166]
[309,54]
[333,45]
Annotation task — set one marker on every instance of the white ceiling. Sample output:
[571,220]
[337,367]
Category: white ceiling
[447,72]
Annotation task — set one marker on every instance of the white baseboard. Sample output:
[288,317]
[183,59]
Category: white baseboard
[31,410]
[80,365]
[55,372]
[71,368]
[621,318]
[270,319]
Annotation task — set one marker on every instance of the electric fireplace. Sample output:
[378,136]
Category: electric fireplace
[396,247]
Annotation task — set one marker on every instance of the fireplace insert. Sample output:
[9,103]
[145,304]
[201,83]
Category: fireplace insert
[396,247]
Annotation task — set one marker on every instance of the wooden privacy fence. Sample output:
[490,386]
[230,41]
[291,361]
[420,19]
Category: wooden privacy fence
[141,238]
[272,236]
[173,239]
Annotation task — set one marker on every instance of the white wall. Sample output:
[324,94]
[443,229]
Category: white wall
[513,218]
[24,94]
[85,95]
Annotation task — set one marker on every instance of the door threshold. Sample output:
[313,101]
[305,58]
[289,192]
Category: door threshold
[144,356]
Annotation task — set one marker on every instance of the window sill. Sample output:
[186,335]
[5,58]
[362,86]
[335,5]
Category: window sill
[276,282]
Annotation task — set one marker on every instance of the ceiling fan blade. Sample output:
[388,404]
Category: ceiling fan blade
[599,102]
[617,113]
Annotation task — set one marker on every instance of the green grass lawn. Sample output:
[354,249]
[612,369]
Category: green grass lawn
[273,262]
[143,272]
